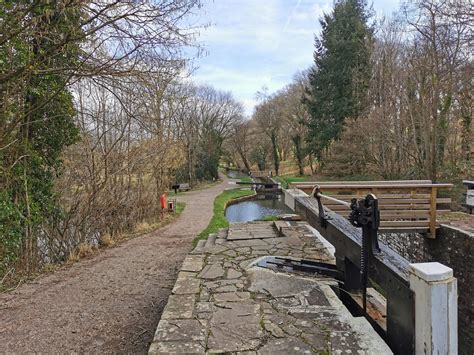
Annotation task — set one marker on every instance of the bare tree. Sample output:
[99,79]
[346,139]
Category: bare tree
[241,141]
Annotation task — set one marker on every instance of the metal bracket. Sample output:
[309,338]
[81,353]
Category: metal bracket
[323,217]
[289,265]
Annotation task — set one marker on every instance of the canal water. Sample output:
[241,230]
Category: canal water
[261,206]
[235,174]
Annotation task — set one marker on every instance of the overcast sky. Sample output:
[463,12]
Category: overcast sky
[252,43]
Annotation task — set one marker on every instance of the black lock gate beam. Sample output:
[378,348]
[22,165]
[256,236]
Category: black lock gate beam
[388,269]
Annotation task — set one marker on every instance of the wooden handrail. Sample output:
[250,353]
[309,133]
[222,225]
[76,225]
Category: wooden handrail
[371,186]
[378,182]
[411,195]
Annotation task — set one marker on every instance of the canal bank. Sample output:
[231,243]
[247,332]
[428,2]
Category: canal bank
[243,204]
[218,219]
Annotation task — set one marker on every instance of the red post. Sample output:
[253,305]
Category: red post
[163,201]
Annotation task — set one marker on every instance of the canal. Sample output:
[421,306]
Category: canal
[259,207]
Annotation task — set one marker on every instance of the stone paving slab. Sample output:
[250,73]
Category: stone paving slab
[181,330]
[179,307]
[235,327]
[176,347]
[224,303]
[250,230]
[186,284]
[193,263]
[212,271]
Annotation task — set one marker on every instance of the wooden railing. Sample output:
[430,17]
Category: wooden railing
[405,205]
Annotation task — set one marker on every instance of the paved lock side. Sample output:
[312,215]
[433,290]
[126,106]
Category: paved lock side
[223,303]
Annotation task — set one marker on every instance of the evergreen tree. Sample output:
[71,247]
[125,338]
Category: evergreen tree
[36,120]
[340,77]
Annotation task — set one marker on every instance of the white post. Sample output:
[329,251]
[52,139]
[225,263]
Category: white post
[436,308]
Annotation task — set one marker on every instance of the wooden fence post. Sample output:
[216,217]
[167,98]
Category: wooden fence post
[433,202]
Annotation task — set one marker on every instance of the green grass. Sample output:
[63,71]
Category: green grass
[218,220]
[268,218]
[180,207]
[246,179]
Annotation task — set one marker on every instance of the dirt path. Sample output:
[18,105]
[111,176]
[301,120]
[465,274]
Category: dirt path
[110,303]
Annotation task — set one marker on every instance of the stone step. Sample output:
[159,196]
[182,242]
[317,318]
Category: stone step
[222,236]
[222,233]
[278,225]
[211,241]
[200,246]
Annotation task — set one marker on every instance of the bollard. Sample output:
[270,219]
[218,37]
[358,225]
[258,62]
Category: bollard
[163,201]
[436,317]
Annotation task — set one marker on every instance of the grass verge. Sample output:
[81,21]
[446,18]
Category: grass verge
[144,228]
[245,179]
[218,219]
[268,218]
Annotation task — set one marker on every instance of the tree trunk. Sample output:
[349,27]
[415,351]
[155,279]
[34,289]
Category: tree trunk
[276,158]
[299,153]
[245,161]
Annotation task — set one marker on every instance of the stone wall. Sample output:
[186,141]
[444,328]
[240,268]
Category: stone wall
[454,248]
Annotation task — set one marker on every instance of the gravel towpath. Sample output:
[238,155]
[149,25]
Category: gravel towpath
[110,303]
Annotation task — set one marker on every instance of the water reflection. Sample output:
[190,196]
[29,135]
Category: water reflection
[235,174]
[264,205]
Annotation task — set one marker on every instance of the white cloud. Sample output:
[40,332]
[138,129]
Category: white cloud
[253,43]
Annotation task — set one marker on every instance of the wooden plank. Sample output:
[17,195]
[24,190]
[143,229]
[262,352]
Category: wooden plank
[384,196]
[377,182]
[393,208]
[401,205]
[425,223]
[388,215]
[396,200]
[403,229]
[400,201]
[417,207]
[378,186]
[363,192]
[404,214]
